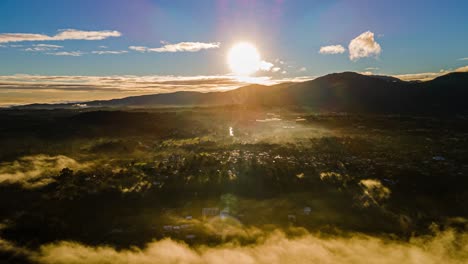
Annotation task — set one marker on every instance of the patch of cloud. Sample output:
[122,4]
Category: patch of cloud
[462,69]
[179,47]
[36,171]
[102,47]
[364,46]
[302,69]
[66,34]
[67,53]
[366,73]
[332,49]
[103,52]
[424,76]
[44,47]
[373,192]
[265,66]
[275,69]
[372,69]
[138,48]
[463,59]
[427,76]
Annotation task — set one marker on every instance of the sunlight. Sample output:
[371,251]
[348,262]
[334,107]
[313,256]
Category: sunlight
[244,59]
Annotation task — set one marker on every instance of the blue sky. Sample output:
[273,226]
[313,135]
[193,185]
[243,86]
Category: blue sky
[408,37]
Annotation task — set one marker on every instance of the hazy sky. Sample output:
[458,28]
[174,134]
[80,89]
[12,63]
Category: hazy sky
[192,38]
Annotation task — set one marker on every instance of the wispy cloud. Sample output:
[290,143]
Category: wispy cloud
[463,59]
[138,48]
[103,52]
[66,34]
[179,47]
[363,46]
[427,76]
[43,47]
[67,53]
[333,49]
[24,89]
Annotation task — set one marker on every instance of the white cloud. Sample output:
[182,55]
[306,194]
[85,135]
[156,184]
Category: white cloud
[265,66]
[179,47]
[333,49]
[138,48]
[276,69]
[67,53]
[303,69]
[372,69]
[43,47]
[102,52]
[284,72]
[463,59]
[103,47]
[366,73]
[66,34]
[363,46]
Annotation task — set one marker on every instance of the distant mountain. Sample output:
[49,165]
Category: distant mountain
[347,91]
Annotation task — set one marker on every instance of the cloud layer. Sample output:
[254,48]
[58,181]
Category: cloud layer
[444,247]
[427,76]
[26,89]
[66,34]
[35,171]
[179,47]
[333,49]
[363,46]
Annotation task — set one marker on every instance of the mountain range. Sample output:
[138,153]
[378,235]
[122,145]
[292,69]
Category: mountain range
[339,92]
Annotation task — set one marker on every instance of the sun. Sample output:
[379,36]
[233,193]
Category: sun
[244,59]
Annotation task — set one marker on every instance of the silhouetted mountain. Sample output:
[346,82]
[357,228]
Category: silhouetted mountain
[347,91]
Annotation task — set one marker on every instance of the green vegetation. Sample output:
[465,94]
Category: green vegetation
[125,178]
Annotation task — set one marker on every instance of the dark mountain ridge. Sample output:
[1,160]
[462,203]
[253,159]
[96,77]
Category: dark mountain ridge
[347,91]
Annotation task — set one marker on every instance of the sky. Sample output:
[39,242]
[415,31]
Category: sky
[54,50]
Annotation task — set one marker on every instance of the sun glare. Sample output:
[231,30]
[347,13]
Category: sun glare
[244,59]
